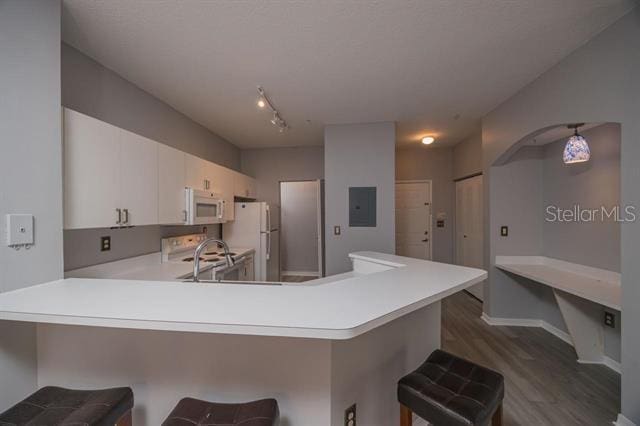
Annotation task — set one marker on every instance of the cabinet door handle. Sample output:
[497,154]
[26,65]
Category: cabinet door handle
[426,240]
[119,221]
[126,216]
[184,215]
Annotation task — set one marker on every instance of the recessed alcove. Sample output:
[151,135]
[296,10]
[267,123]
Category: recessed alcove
[560,262]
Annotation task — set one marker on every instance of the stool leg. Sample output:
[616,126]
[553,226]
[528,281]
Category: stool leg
[125,420]
[497,417]
[406,418]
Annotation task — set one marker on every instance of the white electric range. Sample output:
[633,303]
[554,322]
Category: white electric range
[212,261]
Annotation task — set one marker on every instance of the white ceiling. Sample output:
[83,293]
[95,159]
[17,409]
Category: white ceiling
[419,63]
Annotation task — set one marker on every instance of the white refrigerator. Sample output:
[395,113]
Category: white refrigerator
[256,225]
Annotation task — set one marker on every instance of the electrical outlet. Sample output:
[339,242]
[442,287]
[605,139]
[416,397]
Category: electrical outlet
[336,230]
[610,319]
[105,243]
[350,416]
[504,231]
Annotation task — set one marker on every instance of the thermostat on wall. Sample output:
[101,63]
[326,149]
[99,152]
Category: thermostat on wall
[19,230]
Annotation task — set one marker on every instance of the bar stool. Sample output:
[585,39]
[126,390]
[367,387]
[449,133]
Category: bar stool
[54,406]
[447,390]
[195,412]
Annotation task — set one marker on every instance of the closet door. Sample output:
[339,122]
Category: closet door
[469,227]
[138,179]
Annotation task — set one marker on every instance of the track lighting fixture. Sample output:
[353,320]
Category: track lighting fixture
[263,101]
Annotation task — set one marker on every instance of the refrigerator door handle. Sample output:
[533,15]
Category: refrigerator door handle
[268,235]
[268,220]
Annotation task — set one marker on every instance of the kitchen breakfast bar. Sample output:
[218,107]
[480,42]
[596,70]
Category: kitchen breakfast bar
[317,347]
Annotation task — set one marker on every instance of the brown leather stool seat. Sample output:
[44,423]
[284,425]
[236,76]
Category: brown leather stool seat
[447,390]
[53,406]
[190,411]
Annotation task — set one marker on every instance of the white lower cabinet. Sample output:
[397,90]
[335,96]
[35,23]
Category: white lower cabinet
[247,272]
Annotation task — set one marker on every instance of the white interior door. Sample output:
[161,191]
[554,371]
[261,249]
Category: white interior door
[413,219]
[469,230]
[301,226]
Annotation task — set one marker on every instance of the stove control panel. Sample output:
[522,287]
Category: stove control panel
[183,244]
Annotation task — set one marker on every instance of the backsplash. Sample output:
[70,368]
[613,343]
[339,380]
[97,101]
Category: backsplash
[82,246]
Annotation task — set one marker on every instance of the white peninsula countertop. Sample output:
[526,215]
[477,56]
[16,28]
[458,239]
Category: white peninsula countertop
[381,288]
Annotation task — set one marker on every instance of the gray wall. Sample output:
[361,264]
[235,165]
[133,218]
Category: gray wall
[299,226]
[536,177]
[435,164]
[270,166]
[82,246]
[31,170]
[590,185]
[90,88]
[467,156]
[597,83]
[358,155]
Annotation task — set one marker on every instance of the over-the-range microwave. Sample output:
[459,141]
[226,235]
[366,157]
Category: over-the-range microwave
[203,207]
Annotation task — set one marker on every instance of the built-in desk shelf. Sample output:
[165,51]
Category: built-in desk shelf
[579,291]
[597,285]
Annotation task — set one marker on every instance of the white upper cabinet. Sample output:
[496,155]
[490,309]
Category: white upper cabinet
[171,184]
[91,172]
[202,174]
[113,177]
[225,179]
[196,172]
[138,179]
[244,186]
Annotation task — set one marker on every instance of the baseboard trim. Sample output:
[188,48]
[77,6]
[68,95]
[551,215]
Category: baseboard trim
[613,364]
[623,421]
[562,335]
[527,322]
[301,273]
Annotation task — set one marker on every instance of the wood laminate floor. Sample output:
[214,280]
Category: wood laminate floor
[296,278]
[544,384]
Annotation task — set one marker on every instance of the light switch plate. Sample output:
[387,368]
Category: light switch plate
[19,230]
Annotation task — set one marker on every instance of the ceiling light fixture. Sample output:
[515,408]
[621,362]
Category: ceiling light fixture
[428,140]
[576,150]
[277,120]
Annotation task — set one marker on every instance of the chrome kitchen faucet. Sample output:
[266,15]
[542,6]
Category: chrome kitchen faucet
[201,247]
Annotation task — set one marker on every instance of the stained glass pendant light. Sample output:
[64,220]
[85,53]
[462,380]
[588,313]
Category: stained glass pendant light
[576,150]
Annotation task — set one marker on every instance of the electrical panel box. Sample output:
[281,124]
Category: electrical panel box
[362,206]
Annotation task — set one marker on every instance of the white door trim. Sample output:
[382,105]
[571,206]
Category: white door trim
[430,218]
